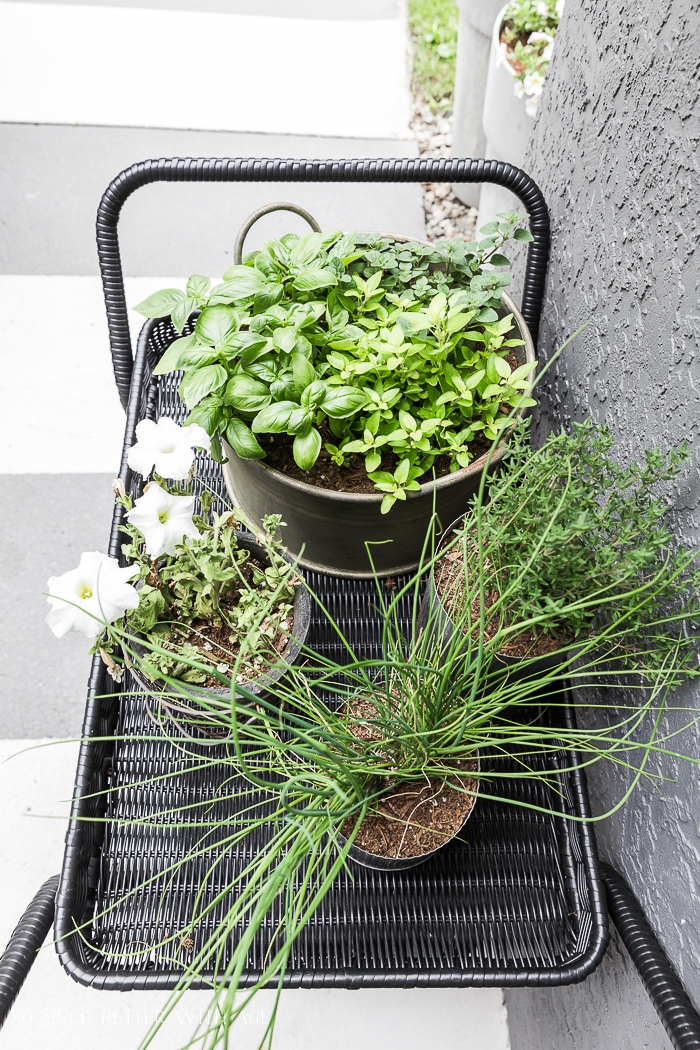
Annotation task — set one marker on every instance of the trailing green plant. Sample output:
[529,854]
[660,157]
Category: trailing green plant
[573,544]
[395,351]
[208,582]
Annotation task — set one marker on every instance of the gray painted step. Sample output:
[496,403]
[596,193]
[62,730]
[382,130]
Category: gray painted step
[52,178]
[46,522]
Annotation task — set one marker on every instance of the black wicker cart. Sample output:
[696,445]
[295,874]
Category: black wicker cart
[520,901]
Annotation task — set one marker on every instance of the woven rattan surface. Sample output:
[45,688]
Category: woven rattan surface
[517,900]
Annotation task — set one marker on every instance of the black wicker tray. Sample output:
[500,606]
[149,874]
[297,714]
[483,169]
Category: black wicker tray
[518,900]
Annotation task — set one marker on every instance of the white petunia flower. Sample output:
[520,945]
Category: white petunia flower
[531,105]
[91,596]
[166,447]
[519,88]
[535,38]
[533,83]
[542,9]
[164,520]
[559,7]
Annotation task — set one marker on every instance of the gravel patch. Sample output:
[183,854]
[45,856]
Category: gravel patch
[445,215]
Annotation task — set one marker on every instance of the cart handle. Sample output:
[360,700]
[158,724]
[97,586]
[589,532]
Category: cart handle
[189,169]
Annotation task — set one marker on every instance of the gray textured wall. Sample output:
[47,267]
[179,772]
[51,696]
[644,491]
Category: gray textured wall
[615,151]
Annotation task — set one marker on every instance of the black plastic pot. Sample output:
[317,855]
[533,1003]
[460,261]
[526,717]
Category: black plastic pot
[373,860]
[434,616]
[328,531]
[259,686]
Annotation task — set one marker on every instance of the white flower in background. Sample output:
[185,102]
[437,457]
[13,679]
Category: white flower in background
[94,594]
[166,447]
[537,38]
[542,9]
[533,83]
[519,89]
[502,57]
[559,8]
[163,519]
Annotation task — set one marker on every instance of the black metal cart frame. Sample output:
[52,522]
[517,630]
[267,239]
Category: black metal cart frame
[521,904]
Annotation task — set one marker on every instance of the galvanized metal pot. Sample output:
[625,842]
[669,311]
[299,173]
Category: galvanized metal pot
[329,531]
[333,532]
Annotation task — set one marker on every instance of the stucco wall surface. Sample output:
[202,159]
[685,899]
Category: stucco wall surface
[615,150]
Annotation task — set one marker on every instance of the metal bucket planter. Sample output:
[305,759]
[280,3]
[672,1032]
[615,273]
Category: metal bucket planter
[327,531]
[206,721]
[434,616]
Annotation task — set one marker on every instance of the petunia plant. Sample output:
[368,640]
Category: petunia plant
[360,345]
[527,42]
[187,576]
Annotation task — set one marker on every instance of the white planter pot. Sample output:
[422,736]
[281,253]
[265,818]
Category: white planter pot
[507,127]
[473,48]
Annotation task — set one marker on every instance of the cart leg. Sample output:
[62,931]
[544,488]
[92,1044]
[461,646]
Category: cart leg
[29,935]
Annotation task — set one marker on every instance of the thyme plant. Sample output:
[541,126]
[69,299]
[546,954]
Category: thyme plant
[574,544]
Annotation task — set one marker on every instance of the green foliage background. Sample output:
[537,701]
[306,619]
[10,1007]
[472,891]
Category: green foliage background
[434,29]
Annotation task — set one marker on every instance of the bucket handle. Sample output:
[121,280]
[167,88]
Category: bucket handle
[252,219]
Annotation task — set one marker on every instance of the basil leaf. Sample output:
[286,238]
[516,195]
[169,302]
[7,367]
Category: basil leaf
[284,339]
[160,304]
[240,282]
[309,280]
[201,381]
[243,441]
[306,448]
[216,324]
[208,414]
[265,369]
[198,287]
[268,297]
[181,313]
[246,394]
[303,371]
[274,418]
[172,358]
[341,402]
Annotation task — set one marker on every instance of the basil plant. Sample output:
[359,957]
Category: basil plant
[394,350]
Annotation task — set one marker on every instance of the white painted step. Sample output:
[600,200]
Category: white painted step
[61,411]
[53,1011]
[136,67]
